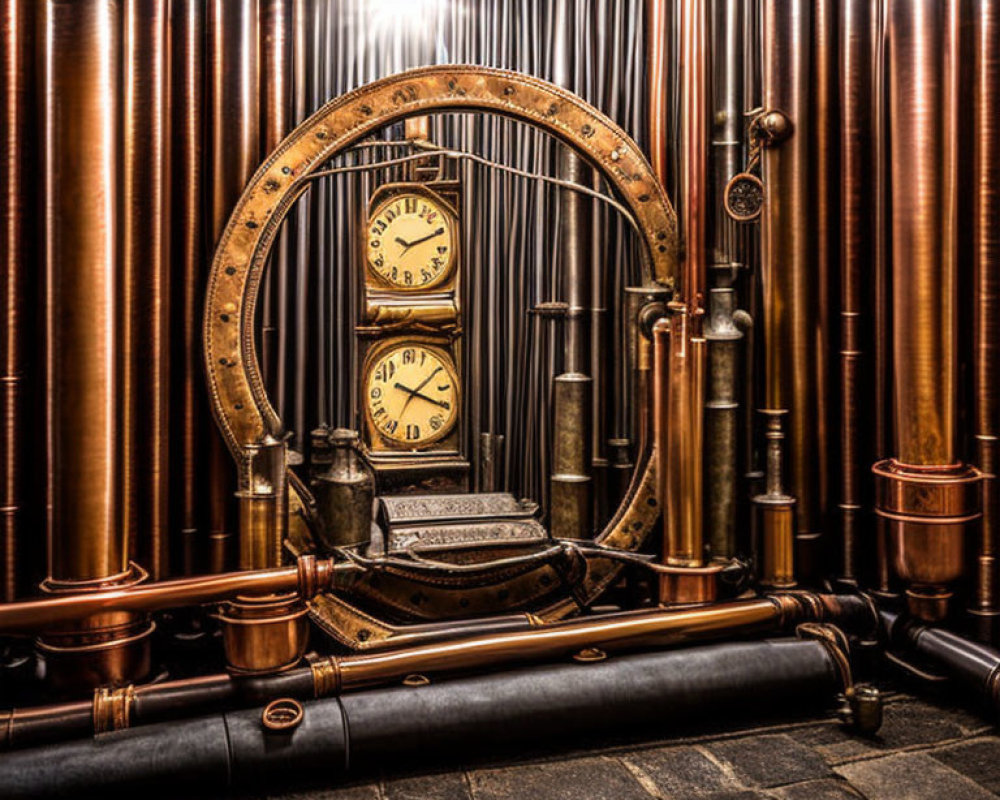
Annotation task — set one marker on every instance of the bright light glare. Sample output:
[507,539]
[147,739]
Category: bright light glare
[416,16]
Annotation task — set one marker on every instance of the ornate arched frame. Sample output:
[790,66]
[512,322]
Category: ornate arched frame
[239,402]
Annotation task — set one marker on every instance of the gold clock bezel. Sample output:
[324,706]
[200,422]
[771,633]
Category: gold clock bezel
[386,195]
[445,357]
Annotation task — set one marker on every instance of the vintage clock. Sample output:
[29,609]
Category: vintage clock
[410,338]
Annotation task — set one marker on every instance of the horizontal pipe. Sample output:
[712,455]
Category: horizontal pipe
[451,719]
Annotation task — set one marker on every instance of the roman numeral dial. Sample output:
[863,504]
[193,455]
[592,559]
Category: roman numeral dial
[411,394]
[410,241]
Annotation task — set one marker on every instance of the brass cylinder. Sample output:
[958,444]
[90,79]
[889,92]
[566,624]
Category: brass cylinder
[16,26]
[88,547]
[144,338]
[791,323]
[986,287]
[774,518]
[263,504]
[570,484]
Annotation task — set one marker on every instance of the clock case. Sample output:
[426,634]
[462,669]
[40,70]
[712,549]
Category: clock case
[392,316]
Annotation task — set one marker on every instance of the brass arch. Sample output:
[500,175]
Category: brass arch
[239,402]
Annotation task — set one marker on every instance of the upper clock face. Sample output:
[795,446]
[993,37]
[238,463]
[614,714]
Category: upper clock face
[411,394]
[410,241]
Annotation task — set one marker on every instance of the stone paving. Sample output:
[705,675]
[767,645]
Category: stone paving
[925,751]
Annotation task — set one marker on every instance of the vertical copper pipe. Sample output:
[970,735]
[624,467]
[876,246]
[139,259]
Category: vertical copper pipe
[856,25]
[233,45]
[657,59]
[188,108]
[16,32]
[81,114]
[986,283]
[923,122]
[145,283]
[925,498]
[790,321]
[694,113]
[824,221]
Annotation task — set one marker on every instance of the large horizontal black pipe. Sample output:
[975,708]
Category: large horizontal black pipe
[655,692]
[976,666]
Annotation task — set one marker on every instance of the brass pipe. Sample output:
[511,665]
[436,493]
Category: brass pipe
[571,503]
[856,23]
[263,505]
[145,331]
[88,548]
[233,62]
[17,24]
[986,286]
[925,497]
[790,320]
[187,25]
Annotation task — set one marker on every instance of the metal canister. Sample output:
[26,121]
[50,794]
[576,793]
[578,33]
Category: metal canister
[344,493]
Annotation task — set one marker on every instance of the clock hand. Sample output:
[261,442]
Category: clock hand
[402,241]
[421,386]
[422,396]
[430,236]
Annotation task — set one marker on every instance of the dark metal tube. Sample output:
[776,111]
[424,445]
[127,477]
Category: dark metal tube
[214,754]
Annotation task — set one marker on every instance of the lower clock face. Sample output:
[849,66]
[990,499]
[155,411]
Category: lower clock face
[411,394]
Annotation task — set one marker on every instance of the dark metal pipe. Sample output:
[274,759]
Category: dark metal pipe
[457,718]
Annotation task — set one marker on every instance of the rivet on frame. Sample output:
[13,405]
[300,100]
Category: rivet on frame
[230,270]
[286,170]
[271,185]
[251,224]
[320,134]
[224,317]
[238,406]
[615,155]
[651,501]
[643,198]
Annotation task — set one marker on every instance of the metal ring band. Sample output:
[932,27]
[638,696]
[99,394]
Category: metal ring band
[112,709]
[283,714]
[326,677]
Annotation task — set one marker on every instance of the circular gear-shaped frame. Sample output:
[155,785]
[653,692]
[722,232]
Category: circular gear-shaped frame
[239,401]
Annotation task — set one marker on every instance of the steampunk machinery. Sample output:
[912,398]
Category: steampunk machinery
[438,373]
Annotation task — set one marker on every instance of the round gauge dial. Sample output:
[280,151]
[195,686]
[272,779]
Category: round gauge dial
[410,241]
[411,394]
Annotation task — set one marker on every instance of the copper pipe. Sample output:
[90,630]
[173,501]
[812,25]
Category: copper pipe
[694,113]
[678,387]
[188,107]
[308,577]
[233,44]
[81,110]
[923,120]
[825,241]
[925,498]
[17,24]
[856,22]
[658,17]
[145,283]
[986,285]
[791,322]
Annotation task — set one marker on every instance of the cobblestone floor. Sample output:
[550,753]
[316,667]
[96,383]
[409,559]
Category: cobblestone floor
[925,751]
